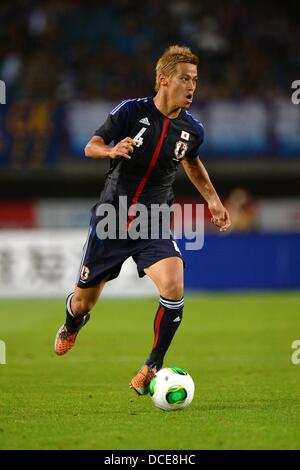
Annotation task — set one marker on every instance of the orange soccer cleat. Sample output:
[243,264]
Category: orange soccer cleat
[65,340]
[140,383]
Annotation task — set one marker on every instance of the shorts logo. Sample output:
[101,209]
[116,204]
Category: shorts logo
[180,149]
[85,272]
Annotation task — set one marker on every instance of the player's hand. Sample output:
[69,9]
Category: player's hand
[220,215]
[123,148]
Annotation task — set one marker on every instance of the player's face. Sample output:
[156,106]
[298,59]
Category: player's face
[182,85]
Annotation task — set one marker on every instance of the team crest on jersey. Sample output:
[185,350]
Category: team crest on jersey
[180,149]
[85,272]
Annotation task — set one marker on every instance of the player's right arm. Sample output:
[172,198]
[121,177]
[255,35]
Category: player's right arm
[96,148]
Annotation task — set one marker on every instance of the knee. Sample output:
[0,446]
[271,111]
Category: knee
[81,305]
[172,290]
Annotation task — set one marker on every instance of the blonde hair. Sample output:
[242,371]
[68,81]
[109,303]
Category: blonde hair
[170,58]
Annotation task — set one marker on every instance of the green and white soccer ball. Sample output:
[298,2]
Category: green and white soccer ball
[172,389]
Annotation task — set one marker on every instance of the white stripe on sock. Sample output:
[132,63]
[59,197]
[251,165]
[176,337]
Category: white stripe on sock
[69,298]
[172,307]
[172,301]
[172,304]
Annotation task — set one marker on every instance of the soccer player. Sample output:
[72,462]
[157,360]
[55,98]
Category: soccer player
[151,137]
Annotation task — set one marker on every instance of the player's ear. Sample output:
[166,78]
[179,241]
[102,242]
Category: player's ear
[163,79]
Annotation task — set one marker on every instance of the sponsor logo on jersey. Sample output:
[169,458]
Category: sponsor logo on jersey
[180,149]
[145,120]
[85,272]
[185,135]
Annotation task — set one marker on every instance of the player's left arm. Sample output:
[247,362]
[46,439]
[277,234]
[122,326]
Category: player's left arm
[198,175]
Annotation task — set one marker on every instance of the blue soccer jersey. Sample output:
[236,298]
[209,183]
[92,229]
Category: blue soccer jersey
[162,143]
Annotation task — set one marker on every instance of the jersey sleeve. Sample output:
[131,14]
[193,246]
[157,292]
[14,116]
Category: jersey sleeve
[116,124]
[193,152]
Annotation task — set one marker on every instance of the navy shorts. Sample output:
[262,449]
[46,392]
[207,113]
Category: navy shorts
[102,258]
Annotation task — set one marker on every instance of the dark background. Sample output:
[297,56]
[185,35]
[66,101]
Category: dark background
[61,52]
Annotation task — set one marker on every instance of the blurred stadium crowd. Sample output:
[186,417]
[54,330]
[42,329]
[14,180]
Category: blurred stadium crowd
[67,63]
[71,49]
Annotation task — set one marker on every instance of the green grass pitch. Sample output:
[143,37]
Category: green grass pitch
[236,347]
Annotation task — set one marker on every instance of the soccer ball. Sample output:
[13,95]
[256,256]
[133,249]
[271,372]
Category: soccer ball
[172,389]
